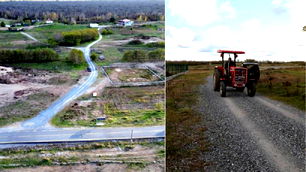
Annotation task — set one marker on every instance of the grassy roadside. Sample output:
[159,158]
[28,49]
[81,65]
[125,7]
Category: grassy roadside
[25,109]
[185,142]
[285,85]
[98,153]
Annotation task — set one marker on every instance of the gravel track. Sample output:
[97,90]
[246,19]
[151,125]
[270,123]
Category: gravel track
[251,133]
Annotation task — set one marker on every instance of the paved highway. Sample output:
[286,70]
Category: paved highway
[52,135]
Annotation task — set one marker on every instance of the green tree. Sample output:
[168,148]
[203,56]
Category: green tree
[2,24]
[94,56]
[76,56]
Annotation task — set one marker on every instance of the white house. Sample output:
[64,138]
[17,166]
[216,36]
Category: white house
[125,22]
[49,21]
[93,25]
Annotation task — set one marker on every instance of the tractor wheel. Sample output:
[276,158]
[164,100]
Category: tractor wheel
[216,80]
[240,89]
[222,89]
[251,89]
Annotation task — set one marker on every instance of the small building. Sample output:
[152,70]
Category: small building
[125,22]
[18,24]
[48,21]
[93,25]
[7,25]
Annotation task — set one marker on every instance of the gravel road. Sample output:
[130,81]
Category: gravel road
[251,133]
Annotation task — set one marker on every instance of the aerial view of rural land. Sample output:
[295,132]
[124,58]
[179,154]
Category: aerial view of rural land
[82,85]
[235,92]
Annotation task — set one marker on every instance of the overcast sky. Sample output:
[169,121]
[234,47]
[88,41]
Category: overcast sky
[264,29]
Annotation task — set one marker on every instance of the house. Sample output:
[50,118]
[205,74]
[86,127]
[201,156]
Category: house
[125,22]
[7,25]
[49,21]
[93,25]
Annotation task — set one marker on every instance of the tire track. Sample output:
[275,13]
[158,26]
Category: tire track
[281,161]
[249,135]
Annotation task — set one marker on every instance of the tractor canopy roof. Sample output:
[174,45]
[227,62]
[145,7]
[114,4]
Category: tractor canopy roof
[231,52]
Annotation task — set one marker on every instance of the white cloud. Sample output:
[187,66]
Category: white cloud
[261,40]
[199,12]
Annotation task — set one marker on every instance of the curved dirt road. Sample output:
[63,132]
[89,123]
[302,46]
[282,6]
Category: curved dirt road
[252,133]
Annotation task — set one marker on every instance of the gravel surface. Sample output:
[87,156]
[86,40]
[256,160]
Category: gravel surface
[248,135]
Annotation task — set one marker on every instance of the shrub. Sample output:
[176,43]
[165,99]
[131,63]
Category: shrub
[135,42]
[107,32]
[76,56]
[158,54]
[2,24]
[156,45]
[94,56]
[134,56]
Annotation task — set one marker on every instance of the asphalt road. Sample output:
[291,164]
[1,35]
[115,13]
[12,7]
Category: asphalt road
[251,133]
[79,134]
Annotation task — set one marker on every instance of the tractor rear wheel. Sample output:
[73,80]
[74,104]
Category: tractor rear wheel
[222,89]
[216,80]
[251,89]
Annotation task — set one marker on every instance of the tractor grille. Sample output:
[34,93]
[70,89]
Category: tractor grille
[240,75]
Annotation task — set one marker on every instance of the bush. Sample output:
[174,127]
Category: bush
[135,42]
[2,24]
[94,56]
[134,56]
[76,56]
[29,56]
[156,45]
[158,54]
[107,32]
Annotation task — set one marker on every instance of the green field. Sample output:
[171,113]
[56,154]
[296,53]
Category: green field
[12,40]
[156,30]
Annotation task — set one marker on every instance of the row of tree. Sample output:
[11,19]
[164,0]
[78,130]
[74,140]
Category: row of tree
[29,56]
[75,37]
[143,56]
[84,12]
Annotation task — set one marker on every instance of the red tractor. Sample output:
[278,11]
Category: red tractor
[237,77]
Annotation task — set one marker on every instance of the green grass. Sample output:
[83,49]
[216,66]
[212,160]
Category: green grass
[45,32]
[287,85]
[25,109]
[56,66]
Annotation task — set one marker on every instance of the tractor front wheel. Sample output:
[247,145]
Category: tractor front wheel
[216,80]
[222,89]
[251,89]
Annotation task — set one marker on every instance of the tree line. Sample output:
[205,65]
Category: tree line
[84,12]
[76,37]
[28,56]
